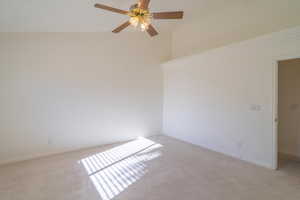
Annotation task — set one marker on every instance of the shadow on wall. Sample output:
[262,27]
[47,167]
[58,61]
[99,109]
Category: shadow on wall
[116,169]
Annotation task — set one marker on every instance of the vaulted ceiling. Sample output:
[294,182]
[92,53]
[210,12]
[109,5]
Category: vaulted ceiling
[81,16]
[207,24]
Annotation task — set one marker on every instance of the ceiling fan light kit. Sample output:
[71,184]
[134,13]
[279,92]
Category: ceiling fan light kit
[140,16]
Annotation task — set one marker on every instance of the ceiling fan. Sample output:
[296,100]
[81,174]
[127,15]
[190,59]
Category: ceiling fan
[141,17]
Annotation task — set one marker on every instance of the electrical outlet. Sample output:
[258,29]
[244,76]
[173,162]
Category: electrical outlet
[255,107]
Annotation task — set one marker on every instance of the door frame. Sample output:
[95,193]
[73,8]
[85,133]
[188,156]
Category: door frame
[275,103]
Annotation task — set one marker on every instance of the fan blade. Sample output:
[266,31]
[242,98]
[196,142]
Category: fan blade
[168,15]
[120,28]
[144,4]
[116,10]
[151,30]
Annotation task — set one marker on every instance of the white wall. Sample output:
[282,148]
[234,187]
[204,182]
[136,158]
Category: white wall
[289,107]
[65,91]
[223,99]
[240,20]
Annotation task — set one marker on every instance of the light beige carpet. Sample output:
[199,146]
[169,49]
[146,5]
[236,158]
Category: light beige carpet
[160,168]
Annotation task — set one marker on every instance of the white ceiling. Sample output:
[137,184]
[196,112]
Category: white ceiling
[81,16]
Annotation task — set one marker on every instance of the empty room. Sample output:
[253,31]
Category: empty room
[150,100]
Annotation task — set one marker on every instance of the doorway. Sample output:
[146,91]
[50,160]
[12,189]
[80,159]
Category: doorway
[289,114]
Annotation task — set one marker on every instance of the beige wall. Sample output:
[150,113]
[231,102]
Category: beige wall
[223,99]
[289,107]
[241,20]
[64,91]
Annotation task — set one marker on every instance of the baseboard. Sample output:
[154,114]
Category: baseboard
[37,156]
[258,164]
[65,150]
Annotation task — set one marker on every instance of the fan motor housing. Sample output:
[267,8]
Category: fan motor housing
[135,11]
